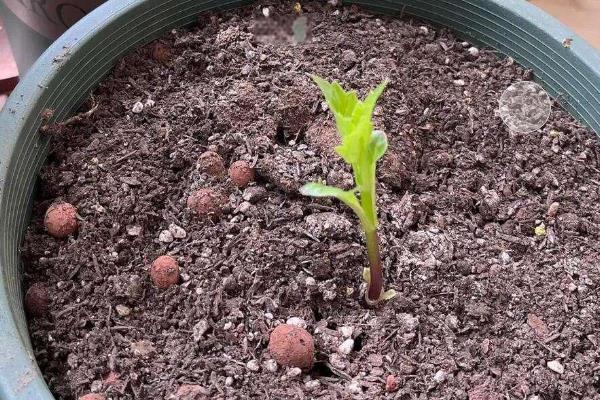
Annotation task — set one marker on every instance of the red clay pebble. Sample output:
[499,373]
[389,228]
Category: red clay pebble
[191,392]
[207,202]
[391,384]
[93,396]
[112,378]
[37,300]
[161,52]
[241,173]
[292,346]
[61,220]
[164,272]
[211,163]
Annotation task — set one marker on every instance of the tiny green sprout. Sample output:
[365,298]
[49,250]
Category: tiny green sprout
[361,147]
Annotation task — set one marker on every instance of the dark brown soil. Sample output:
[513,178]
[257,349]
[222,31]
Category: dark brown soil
[484,302]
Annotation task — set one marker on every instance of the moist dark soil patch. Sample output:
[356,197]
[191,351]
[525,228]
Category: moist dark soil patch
[484,302]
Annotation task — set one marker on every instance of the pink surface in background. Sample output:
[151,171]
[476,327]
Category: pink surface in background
[8,69]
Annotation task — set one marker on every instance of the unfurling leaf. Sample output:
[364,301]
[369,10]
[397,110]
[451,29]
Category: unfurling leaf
[378,144]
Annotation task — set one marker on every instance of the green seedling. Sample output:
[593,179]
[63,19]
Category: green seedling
[361,148]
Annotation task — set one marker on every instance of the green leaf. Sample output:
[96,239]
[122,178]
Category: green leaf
[341,102]
[373,96]
[319,190]
[346,196]
[378,145]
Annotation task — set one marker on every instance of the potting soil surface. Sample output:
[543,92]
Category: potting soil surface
[490,237]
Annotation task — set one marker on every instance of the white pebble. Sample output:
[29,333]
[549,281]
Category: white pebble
[244,207]
[572,287]
[228,325]
[310,281]
[177,231]
[452,321]
[270,365]
[346,331]
[292,372]
[354,387]
[459,82]
[296,321]
[229,381]
[312,385]
[440,376]
[268,315]
[424,30]
[252,365]
[266,12]
[165,236]
[200,329]
[474,51]
[138,107]
[123,310]
[134,230]
[346,347]
[556,366]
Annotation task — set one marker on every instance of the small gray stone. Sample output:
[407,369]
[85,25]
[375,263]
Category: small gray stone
[177,231]
[123,310]
[253,366]
[354,387]
[165,236]
[440,376]
[348,59]
[452,321]
[346,347]
[270,365]
[296,321]
[200,329]
[473,51]
[312,385]
[137,108]
[244,207]
[346,331]
[134,230]
[254,194]
[556,366]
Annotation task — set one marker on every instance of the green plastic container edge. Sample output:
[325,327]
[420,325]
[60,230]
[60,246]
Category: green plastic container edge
[65,74]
